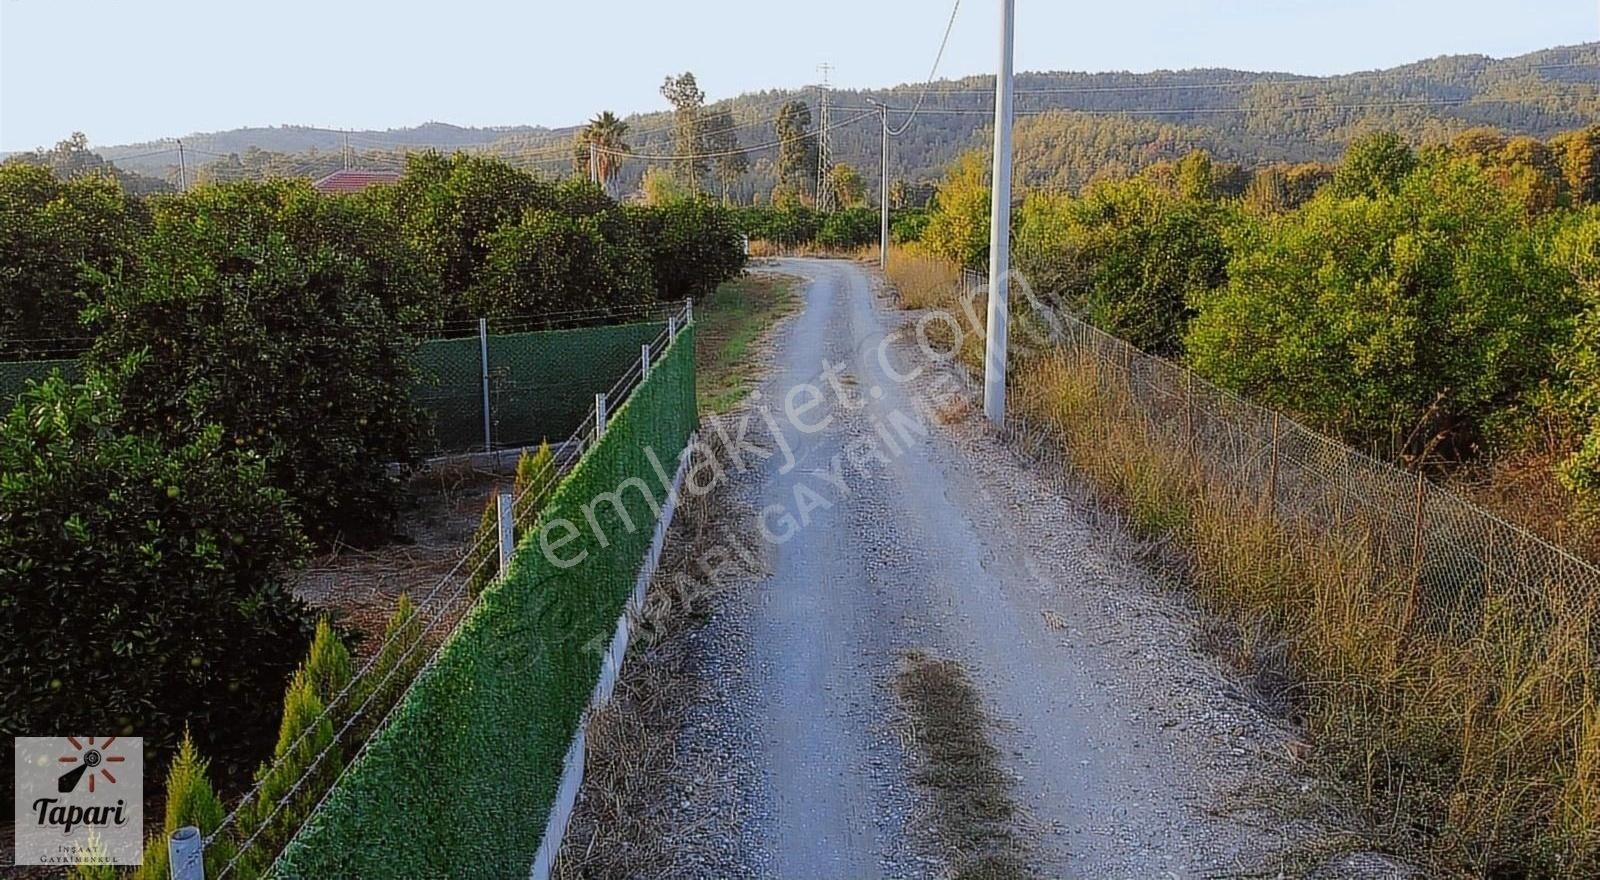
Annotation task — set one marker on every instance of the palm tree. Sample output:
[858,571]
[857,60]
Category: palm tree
[606,132]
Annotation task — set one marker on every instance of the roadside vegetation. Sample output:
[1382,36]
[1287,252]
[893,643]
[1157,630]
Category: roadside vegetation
[248,356]
[1432,307]
[973,806]
[731,322]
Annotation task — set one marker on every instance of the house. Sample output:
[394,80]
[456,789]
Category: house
[351,180]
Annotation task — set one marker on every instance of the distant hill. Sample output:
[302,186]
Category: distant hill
[1113,121]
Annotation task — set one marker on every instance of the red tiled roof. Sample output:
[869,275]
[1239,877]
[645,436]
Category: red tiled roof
[353,180]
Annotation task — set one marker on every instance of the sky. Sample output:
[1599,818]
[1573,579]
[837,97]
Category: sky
[136,70]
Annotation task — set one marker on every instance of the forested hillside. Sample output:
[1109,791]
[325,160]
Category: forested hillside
[1121,122]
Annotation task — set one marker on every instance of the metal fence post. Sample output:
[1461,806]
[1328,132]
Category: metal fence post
[644,361]
[186,854]
[599,414]
[483,357]
[508,531]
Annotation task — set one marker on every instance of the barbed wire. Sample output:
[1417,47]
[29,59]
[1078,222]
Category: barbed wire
[584,435]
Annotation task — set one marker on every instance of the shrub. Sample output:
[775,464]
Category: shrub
[1401,321]
[1127,255]
[958,228]
[483,557]
[850,228]
[908,225]
[555,260]
[448,206]
[190,801]
[307,748]
[1576,250]
[251,318]
[51,233]
[148,576]
[328,665]
[536,479]
[694,246]
[392,670]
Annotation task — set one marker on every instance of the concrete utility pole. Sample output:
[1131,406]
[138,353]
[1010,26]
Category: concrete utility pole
[994,360]
[594,163]
[183,169]
[883,231]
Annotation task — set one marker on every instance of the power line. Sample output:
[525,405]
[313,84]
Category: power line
[933,72]
[766,146]
[1175,111]
[1324,81]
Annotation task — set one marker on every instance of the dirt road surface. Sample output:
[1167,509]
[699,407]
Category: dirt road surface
[887,529]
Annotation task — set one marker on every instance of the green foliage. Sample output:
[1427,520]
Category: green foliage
[483,556]
[102,871]
[536,479]
[400,657]
[797,147]
[492,718]
[1576,250]
[149,575]
[555,260]
[190,801]
[608,134]
[958,230]
[328,666]
[1274,189]
[1128,256]
[447,208]
[908,225]
[72,159]
[305,762]
[1374,165]
[845,182]
[850,228]
[53,235]
[660,188]
[788,225]
[1402,321]
[688,128]
[274,312]
[693,245]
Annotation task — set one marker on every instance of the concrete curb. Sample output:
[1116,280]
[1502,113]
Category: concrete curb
[610,669]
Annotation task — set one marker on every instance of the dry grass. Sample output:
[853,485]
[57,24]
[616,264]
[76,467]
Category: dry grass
[1478,747]
[760,249]
[972,794]
[732,320]
[1523,489]
[923,281]
[624,825]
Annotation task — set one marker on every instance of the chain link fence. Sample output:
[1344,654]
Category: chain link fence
[504,387]
[1451,554]
[15,376]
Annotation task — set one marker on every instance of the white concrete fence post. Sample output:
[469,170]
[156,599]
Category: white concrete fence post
[688,311]
[483,358]
[644,360]
[186,854]
[599,414]
[508,531]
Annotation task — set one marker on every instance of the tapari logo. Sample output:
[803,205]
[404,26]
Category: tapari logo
[79,800]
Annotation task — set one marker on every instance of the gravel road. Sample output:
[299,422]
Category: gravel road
[1136,754]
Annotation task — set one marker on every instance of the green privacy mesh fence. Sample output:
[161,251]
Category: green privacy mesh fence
[462,779]
[541,384]
[15,376]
